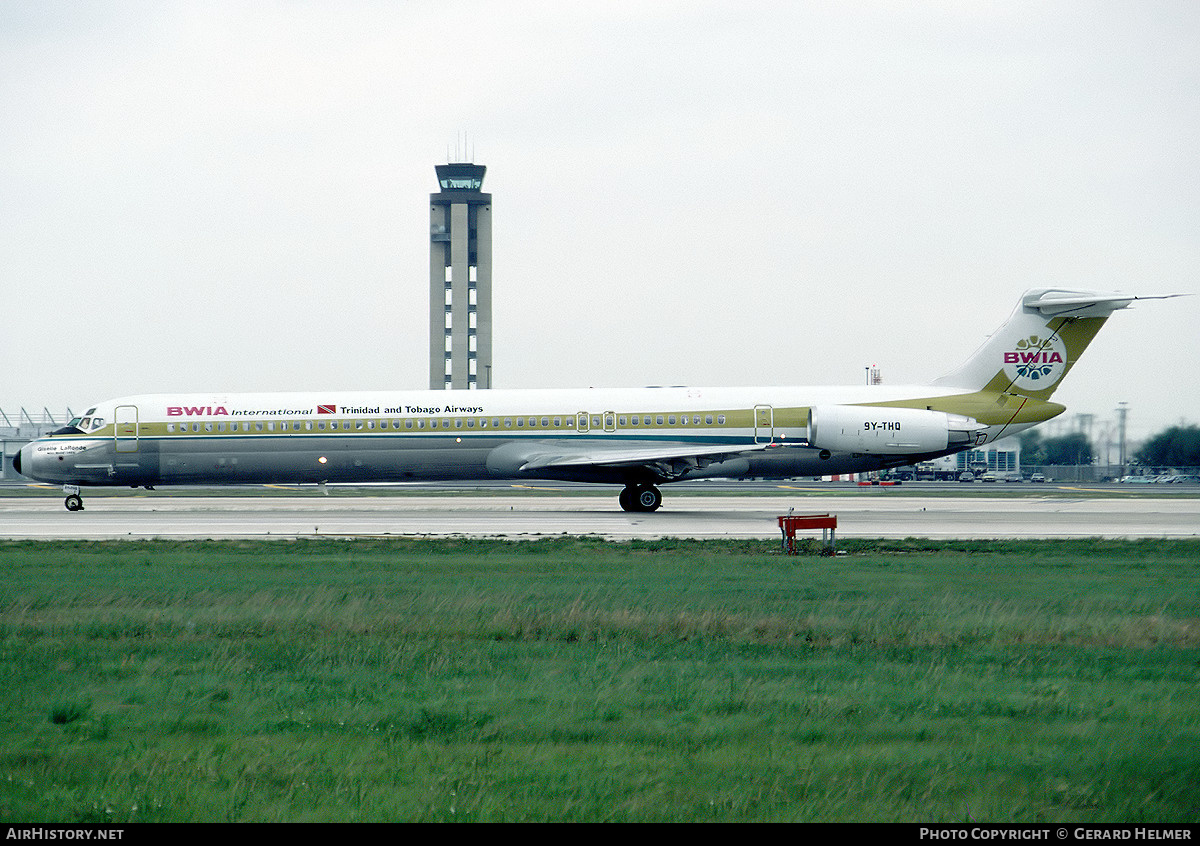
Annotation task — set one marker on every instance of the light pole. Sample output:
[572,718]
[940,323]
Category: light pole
[1122,410]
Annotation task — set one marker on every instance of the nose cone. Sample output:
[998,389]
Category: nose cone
[23,461]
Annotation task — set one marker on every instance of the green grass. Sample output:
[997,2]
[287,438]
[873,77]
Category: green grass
[574,679]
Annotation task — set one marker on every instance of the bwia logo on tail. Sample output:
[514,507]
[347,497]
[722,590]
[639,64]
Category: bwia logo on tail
[1036,362]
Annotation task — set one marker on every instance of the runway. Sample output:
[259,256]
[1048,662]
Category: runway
[536,515]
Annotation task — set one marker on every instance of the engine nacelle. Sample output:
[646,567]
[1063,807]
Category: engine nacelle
[877,430]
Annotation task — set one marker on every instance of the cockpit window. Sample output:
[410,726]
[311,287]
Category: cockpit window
[71,428]
[81,425]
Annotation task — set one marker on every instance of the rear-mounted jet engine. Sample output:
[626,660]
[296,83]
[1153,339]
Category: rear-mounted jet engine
[874,430]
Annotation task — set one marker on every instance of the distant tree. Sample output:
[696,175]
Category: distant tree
[1069,449]
[1178,446]
[1033,450]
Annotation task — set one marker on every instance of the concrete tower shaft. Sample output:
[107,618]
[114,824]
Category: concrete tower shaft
[460,279]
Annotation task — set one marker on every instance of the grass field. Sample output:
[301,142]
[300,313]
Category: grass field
[574,679]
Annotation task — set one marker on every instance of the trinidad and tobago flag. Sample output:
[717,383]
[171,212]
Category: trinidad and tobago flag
[326,409]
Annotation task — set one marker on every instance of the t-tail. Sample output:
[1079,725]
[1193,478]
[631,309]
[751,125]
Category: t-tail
[1039,344]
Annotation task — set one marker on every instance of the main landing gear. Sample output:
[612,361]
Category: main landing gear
[640,498]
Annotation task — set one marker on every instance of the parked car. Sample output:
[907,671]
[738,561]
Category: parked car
[966,476]
[1037,477]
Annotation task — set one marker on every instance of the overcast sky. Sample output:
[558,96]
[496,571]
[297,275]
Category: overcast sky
[233,195]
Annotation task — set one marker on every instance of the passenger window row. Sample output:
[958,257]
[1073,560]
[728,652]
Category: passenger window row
[427,423]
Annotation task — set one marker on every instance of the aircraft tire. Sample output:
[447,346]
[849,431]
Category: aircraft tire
[74,503]
[627,499]
[649,498]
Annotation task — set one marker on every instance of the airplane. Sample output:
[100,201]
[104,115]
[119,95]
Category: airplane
[639,438]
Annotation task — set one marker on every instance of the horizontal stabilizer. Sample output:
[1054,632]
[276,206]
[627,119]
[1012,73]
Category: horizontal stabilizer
[1052,302]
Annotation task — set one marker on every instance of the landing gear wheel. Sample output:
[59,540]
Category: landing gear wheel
[640,498]
[649,498]
[74,502]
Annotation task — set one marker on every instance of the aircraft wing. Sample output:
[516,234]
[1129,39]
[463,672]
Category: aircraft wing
[579,459]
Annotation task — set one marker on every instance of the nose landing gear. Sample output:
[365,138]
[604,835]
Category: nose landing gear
[73,502]
[640,498]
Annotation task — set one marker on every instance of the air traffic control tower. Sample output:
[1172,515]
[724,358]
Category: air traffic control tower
[460,279]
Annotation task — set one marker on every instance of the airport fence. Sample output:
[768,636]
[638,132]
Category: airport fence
[1131,474]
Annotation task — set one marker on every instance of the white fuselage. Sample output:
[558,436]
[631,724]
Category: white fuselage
[630,436]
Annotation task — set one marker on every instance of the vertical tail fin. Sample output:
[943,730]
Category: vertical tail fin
[1039,343]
